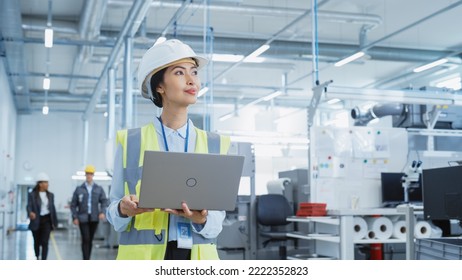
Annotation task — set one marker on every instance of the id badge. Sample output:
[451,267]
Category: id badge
[184,235]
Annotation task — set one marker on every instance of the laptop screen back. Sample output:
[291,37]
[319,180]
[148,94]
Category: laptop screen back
[203,181]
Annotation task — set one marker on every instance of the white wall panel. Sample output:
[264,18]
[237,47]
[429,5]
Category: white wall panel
[55,144]
[7,138]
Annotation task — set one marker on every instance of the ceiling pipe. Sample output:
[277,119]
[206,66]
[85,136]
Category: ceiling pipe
[10,22]
[295,50]
[59,97]
[377,111]
[354,18]
[76,104]
[39,25]
[89,29]
[62,76]
[130,26]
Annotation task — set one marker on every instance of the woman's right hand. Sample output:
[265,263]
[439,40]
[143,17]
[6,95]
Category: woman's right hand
[32,216]
[129,206]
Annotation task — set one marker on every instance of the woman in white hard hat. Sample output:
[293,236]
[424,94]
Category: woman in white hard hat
[168,75]
[42,214]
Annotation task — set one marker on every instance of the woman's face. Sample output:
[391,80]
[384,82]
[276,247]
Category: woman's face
[180,85]
[43,186]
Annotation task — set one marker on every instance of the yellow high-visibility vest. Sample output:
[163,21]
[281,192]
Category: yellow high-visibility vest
[146,235]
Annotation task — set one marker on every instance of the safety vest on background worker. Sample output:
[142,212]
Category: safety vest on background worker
[147,234]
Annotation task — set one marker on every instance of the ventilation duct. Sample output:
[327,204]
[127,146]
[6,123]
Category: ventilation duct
[363,117]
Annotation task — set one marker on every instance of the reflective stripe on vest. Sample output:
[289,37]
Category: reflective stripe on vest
[133,174]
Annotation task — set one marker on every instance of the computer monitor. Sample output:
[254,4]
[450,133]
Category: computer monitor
[442,193]
[393,191]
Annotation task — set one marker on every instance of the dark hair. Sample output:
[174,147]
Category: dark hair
[156,79]
[36,188]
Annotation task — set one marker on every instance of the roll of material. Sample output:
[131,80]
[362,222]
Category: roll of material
[359,228]
[277,186]
[399,229]
[424,229]
[370,234]
[379,228]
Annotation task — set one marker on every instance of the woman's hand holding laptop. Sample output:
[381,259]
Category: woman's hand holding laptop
[128,206]
[197,217]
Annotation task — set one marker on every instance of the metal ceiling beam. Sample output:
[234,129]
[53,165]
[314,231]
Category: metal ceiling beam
[131,24]
[401,96]
[279,48]
[60,96]
[369,20]
[63,76]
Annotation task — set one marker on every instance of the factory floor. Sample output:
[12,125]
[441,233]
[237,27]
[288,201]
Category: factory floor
[64,244]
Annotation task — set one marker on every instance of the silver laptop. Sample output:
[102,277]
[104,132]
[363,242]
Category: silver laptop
[203,181]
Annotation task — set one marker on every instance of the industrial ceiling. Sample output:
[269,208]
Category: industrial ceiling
[91,37]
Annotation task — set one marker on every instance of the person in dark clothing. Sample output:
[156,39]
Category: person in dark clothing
[42,214]
[88,207]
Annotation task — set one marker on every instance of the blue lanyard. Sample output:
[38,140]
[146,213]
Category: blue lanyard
[165,138]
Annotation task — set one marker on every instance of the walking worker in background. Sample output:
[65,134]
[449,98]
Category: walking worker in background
[88,207]
[42,214]
[168,76]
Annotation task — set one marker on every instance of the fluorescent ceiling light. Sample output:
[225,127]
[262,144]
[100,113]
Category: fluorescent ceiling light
[97,173]
[48,37]
[257,52]
[333,101]
[225,117]
[95,178]
[430,65]
[453,83]
[160,40]
[45,110]
[274,139]
[233,58]
[46,83]
[202,91]
[272,95]
[254,59]
[99,176]
[227,57]
[263,98]
[349,59]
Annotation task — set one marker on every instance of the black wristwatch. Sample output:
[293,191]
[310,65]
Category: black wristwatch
[120,212]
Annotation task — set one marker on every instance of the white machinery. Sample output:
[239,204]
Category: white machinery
[411,178]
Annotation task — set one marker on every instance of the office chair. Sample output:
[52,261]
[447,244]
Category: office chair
[272,211]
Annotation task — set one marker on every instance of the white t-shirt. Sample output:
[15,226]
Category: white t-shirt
[44,208]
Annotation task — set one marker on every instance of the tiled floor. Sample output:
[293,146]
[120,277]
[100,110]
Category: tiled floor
[64,244]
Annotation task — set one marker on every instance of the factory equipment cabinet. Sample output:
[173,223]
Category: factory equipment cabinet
[343,219]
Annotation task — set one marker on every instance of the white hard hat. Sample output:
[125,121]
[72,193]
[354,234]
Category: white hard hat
[42,177]
[160,56]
